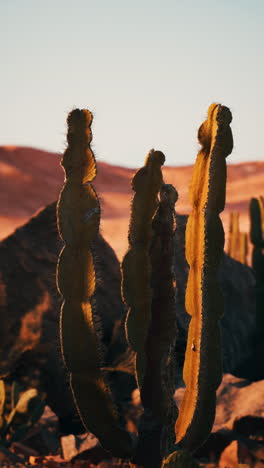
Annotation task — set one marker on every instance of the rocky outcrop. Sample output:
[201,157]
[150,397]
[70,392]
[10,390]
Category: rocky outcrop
[30,305]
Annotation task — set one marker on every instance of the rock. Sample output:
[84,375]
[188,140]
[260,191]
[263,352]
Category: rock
[73,445]
[237,398]
[234,454]
[8,458]
[238,432]
[23,450]
[30,305]
[250,426]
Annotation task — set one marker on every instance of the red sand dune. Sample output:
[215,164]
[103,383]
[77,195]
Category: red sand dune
[31,178]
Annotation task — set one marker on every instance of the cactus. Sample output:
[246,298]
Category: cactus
[237,247]
[136,265]
[204,248]
[151,319]
[148,289]
[257,239]
[159,382]
[78,216]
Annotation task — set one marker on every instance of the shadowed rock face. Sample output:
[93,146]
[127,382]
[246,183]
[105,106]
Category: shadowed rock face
[238,325]
[30,305]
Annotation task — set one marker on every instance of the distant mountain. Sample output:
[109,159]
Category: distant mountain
[32,178]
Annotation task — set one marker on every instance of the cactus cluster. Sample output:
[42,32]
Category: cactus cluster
[148,289]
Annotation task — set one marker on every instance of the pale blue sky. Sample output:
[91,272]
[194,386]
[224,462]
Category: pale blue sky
[147,70]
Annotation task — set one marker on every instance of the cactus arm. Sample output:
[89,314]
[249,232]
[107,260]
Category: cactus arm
[78,215]
[159,386]
[136,268]
[204,248]
[156,427]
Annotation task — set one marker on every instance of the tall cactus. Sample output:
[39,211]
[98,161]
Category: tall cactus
[204,248]
[78,222]
[136,266]
[159,381]
[137,291]
[257,239]
[153,339]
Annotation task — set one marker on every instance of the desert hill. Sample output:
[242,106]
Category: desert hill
[31,178]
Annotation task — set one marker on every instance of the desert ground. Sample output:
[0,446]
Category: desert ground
[32,178]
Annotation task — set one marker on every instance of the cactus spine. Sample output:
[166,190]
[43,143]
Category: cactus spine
[237,247]
[78,214]
[204,248]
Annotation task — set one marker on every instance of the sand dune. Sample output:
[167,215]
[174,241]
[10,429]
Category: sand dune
[31,178]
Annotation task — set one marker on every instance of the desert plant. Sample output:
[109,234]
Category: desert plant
[148,288]
[256,210]
[204,248]
[78,223]
[25,410]
[238,241]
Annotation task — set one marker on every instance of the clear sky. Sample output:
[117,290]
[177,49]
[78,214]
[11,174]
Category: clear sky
[147,69]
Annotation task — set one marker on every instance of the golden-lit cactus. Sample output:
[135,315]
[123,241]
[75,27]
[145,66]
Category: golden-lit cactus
[204,248]
[238,241]
[78,214]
